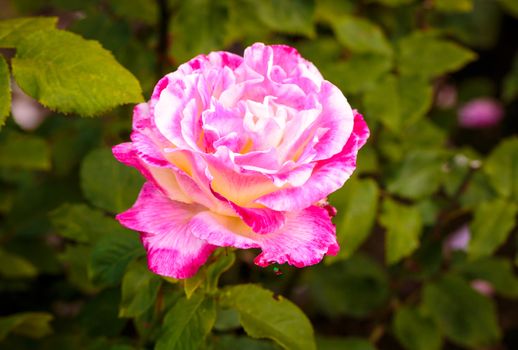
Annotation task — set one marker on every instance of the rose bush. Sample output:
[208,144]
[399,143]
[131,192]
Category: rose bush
[240,152]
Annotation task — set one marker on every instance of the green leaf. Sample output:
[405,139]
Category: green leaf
[187,324]
[454,5]
[83,224]
[404,226]
[210,273]
[357,205]
[356,287]
[359,73]
[264,316]
[14,266]
[139,290]
[398,101]
[331,10]
[204,20]
[416,331]
[108,184]
[243,23]
[13,31]
[227,319]
[426,55]
[139,10]
[420,174]
[5,91]
[24,151]
[497,271]
[361,36]
[76,259]
[28,324]
[292,17]
[111,255]
[350,343]
[502,168]
[191,285]
[463,315]
[476,191]
[67,73]
[491,225]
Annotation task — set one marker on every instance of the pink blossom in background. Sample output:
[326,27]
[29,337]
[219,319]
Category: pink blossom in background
[446,96]
[240,152]
[458,240]
[483,287]
[480,113]
[26,111]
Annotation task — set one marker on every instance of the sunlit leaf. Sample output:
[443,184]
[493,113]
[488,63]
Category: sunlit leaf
[67,73]
[13,31]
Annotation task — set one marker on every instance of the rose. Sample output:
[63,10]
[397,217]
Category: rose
[240,152]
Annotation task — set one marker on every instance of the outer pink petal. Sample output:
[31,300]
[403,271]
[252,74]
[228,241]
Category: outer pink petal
[172,250]
[337,117]
[307,236]
[223,231]
[162,178]
[328,176]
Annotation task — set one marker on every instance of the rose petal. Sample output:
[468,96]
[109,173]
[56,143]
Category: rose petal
[328,176]
[162,178]
[304,240]
[164,225]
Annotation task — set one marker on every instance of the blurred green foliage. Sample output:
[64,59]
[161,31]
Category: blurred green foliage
[427,225]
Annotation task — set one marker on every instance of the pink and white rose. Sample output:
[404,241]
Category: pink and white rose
[240,152]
